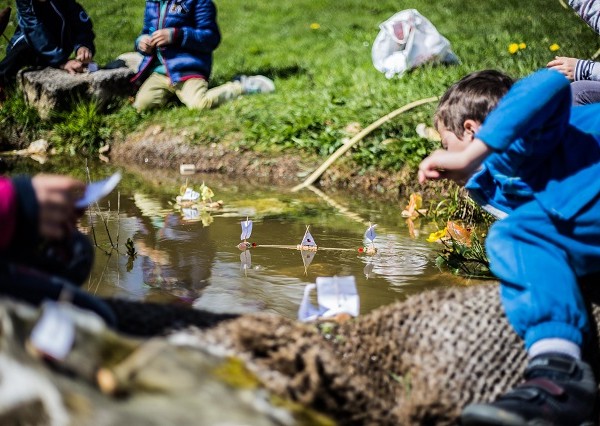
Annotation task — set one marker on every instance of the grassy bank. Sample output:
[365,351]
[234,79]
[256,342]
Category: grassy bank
[324,75]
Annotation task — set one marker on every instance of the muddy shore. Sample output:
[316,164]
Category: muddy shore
[156,148]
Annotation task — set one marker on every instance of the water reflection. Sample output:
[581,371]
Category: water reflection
[190,255]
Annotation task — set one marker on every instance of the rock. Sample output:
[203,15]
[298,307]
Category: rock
[166,381]
[132,60]
[51,89]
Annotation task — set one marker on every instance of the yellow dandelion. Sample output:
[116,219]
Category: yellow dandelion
[513,48]
[435,236]
[554,47]
[522,46]
[315,26]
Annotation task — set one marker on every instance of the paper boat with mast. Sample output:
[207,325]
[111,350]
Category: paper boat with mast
[308,242]
[370,237]
[246,232]
[335,295]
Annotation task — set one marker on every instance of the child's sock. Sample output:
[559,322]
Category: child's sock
[560,346]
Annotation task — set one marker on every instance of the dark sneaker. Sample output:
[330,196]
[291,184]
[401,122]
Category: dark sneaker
[559,390]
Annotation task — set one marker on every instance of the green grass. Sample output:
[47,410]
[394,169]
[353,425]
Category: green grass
[325,79]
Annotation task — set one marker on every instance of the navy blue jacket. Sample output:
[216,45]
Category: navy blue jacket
[54,29]
[195,36]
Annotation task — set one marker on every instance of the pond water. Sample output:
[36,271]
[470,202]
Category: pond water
[191,256]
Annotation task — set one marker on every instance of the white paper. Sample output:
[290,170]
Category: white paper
[308,240]
[370,233]
[190,195]
[335,295]
[246,229]
[98,190]
[54,333]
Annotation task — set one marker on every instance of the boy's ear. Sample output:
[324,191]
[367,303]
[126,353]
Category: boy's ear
[470,127]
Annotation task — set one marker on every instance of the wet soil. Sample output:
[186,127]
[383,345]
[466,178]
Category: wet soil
[158,148]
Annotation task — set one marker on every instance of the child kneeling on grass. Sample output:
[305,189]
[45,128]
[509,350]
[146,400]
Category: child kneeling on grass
[177,41]
[533,161]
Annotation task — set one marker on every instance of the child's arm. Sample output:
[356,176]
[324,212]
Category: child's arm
[36,35]
[204,36]
[83,30]
[56,196]
[8,212]
[457,166]
[589,11]
[537,102]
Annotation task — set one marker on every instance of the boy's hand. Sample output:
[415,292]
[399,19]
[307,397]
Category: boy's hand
[162,37]
[145,45]
[442,164]
[56,196]
[564,65]
[72,66]
[458,166]
[84,55]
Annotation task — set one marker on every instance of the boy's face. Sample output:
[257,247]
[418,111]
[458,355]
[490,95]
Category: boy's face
[454,143]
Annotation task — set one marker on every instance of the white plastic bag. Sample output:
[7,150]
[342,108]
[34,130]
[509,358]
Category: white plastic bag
[407,40]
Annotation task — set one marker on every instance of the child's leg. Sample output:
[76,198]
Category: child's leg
[153,93]
[16,58]
[538,260]
[194,93]
[53,273]
[585,92]
[533,260]
[34,286]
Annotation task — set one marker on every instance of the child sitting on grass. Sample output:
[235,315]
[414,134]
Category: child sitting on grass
[528,158]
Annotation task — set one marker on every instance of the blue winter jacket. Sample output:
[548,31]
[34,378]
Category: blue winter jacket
[54,29]
[539,140]
[195,36]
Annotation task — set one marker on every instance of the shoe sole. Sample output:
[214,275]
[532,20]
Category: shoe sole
[485,415]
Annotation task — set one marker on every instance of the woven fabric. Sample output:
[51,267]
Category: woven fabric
[418,361]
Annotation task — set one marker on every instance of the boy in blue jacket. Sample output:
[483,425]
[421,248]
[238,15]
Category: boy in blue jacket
[177,41]
[532,160]
[48,33]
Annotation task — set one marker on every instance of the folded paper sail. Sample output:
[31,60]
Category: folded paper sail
[246,229]
[97,190]
[190,195]
[335,295]
[308,239]
[370,233]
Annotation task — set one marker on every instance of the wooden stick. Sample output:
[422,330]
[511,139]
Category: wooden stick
[359,136]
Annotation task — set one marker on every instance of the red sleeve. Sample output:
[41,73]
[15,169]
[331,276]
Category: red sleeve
[8,212]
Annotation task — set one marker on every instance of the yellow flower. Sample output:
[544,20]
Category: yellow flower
[554,47]
[522,45]
[513,48]
[435,236]
[314,26]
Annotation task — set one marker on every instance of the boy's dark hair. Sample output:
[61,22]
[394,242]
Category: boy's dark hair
[472,97]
